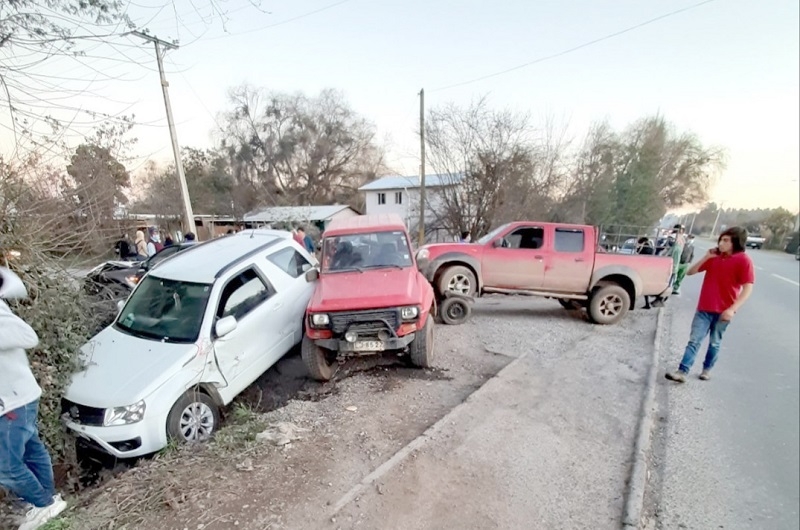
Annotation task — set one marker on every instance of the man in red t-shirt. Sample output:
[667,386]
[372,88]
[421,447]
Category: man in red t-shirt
[727,284]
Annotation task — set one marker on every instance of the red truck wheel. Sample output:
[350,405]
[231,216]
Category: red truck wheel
[458,279]
[609,304]
[316,361]
[421,349]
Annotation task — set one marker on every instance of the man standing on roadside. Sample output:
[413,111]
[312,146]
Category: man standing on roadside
[25,466]
[686,258]
[727,285]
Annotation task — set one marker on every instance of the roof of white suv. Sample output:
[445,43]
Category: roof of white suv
[207,260]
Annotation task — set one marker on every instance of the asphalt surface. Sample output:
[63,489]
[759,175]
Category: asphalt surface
[727,454]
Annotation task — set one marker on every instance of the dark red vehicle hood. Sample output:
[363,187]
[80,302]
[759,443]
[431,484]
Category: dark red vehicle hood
[371,289]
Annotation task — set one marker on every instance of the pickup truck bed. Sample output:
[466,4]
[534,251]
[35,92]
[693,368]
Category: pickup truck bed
[547,259]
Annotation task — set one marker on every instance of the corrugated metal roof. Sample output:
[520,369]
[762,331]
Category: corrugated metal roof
[399,182]
[390,221]
[283,214]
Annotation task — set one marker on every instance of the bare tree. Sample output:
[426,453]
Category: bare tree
[484,155]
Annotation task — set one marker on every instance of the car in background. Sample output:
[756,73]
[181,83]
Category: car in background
[120,277]
[370,297]
[194,333]
[755,241]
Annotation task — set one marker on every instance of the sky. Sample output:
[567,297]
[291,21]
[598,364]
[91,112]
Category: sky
[727,70]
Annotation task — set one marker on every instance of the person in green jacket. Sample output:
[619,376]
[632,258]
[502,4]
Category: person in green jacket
[687,256]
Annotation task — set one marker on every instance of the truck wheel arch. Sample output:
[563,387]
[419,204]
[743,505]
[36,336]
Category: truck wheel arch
[626,279]
[440,264]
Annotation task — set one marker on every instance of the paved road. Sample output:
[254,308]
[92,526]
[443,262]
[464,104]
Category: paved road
[728,454]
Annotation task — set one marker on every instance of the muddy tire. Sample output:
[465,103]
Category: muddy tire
[458,279]
[454,311]
[194,418]
[608,304]
[421,349]
[316,360]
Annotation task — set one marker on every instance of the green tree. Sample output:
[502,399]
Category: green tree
[98,182]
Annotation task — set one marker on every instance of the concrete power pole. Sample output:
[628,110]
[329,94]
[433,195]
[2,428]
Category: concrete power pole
[714,229]
[188,215]
[421,167]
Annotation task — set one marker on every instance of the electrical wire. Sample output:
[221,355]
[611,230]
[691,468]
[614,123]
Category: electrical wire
[575,48]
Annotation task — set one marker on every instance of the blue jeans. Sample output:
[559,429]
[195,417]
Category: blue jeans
[25,466]
[704,324]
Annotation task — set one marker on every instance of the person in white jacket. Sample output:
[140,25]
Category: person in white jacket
[25,466]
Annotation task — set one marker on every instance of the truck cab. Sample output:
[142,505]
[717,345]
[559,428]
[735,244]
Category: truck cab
[370,298]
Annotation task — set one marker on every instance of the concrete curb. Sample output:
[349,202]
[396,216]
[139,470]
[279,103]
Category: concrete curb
[634,502]
[357,490]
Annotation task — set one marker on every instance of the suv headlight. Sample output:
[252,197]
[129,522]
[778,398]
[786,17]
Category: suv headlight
[320,320]
[409,312]
[423,253]
[124,415]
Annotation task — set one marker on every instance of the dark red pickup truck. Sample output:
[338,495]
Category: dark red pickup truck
[545,259]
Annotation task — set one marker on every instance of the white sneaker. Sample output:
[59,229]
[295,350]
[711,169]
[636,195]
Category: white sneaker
[36,517]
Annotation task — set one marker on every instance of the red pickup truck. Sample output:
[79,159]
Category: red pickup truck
[559,261]
[370,297]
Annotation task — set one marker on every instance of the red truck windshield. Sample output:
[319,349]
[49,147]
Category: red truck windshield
[365,251]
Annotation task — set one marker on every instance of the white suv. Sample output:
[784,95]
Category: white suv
[193,334]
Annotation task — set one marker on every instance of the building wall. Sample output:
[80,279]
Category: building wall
[408,208]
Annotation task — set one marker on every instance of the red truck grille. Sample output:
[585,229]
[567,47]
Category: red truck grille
[365,320]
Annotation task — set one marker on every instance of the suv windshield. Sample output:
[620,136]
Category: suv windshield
[365,251]
[166,310]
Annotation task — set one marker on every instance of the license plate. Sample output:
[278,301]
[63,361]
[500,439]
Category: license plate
[368,345]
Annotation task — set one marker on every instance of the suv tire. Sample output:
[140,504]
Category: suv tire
[316,361]
[421,349]
[193,418]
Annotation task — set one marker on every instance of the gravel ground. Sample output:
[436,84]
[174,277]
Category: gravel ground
[578,391]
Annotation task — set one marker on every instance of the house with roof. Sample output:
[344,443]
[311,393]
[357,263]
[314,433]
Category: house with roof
[399,195]
[317,216]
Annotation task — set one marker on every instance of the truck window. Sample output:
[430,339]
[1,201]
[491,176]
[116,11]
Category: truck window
[569,240]
[528,238]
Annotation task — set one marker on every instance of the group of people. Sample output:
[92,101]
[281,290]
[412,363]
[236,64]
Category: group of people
[142,248]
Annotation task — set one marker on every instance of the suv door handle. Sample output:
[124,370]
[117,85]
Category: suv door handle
[579,260]
[277,306]
[540,258]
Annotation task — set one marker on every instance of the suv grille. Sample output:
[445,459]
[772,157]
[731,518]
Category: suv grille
[82,414]
[364,320]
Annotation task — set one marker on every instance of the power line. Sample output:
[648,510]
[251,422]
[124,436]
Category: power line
[576,48]
[282,22]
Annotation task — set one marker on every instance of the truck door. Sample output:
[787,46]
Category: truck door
[515,260]
[570,260]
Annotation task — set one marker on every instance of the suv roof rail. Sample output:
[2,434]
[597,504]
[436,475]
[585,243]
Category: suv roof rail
[248,255]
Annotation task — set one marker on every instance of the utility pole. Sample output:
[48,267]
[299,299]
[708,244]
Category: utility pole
[188,215]
[719,211]
[421,167]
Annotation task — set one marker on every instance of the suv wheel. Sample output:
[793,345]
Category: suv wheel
[193,418]
[316,360]
[609,304]
[458,279]
[421,349]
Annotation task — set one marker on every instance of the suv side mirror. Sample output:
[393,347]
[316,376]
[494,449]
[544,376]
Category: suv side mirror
[225,325]
[497,243]
[312,275]
[120,305]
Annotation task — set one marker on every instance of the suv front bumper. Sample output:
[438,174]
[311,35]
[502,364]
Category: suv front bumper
[341,345]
